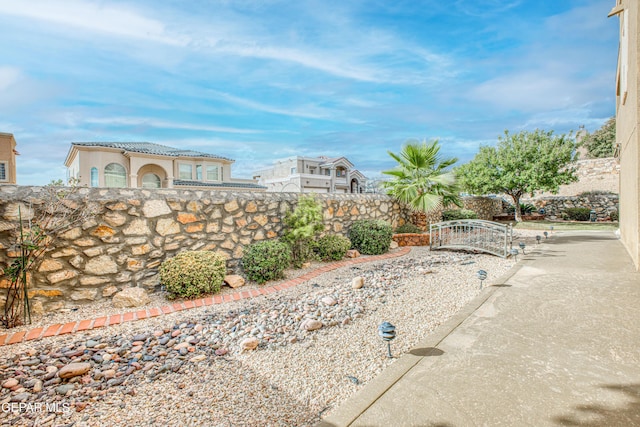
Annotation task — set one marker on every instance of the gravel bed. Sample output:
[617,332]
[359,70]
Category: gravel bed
[256,362]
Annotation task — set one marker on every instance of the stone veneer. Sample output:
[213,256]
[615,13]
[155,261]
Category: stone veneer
[554,206]
[135,230]
[411,239]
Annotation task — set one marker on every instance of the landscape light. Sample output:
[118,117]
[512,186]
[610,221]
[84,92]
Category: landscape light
[482,275]
[387,332]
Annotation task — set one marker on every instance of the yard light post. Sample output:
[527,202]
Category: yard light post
[482,275]
[546,235]
[514,252]
[522,246]
[538,238]
[387,332]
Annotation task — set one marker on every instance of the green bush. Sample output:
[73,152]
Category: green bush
[371,237]
[266,260]
[301,228]
[614,215]
[332,247]
[577,214]
[408,228]
[526,209]
[193,273]
[454,214]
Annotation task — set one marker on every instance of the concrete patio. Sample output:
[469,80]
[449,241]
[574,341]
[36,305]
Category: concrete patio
[555,342]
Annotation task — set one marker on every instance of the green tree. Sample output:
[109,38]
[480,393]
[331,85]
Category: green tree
[521,163]
[301,227]
[422,179]
[602,142]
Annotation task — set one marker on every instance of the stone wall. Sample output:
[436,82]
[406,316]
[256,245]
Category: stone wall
[554,206]
[484,207]
[135,230]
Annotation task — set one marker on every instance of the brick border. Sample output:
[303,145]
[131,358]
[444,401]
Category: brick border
[132,316]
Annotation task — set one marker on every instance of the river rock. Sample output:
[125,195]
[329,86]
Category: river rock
[352,253]
[131,297]
[11,382]
[328,301]
[357,282]
[74,369]
[311,325]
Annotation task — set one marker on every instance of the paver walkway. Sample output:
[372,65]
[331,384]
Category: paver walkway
[132,316]
[556,343]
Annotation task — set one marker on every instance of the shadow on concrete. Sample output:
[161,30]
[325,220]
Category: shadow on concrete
[582,238]
[628,415]
[426,352]
[501,286]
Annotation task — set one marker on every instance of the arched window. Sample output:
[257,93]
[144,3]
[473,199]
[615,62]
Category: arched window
[151,180]
[115,175]
[94,177]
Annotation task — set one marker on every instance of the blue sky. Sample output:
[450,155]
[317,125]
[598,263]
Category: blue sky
[259,80]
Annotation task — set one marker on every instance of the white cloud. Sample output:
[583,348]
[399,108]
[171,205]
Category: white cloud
[156,123]
[8,77]
[92,17]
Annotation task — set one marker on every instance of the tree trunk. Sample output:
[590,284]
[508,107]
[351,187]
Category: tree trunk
[517,211]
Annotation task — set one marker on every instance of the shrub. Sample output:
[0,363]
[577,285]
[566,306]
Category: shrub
[371,237]
[614,215]
[301,227]
[526,209]
[193,273]
[452,215]
[577,214]
[266,260]
[332,247]
[408,228]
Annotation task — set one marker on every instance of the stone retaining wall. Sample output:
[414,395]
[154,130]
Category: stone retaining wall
[411,239]
[135,230]
[554,206]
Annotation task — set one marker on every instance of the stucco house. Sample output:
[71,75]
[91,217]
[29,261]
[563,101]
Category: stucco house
[312,175]
[7,158]
[627,123]
[150,165]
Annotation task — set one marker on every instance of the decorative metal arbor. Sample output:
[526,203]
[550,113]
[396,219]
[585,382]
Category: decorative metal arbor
[472,235]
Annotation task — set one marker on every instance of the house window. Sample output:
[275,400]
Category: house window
[3,171]
[115,175]
[198,172]
[151,180]
[341,172]
[293,170]
[94,177]
[184,171]
[212,173]
[327,172]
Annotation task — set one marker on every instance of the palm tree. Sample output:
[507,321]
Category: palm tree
[422,179]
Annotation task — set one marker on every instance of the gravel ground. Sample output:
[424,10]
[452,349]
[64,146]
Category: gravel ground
[197,367]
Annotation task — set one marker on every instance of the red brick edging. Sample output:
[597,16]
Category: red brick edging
[132,316]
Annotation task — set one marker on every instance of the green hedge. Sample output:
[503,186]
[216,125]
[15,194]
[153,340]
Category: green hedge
[454,214]
[332,247]
[266,260]
[577,214]
[193,273]
[371,237]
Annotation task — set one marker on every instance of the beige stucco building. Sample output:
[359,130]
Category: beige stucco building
[627,122]
[312,175]
[7,158]
[149,165]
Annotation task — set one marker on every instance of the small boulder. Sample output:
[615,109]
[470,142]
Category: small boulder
[393,244]
[131,297]
[73,370]
[352,253]
[357,282]
[249,343]
[234,280]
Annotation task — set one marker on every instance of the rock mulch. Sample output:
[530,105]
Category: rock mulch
[279,360]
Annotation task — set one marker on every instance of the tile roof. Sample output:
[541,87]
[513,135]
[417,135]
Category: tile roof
[149,148]
[181,182]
